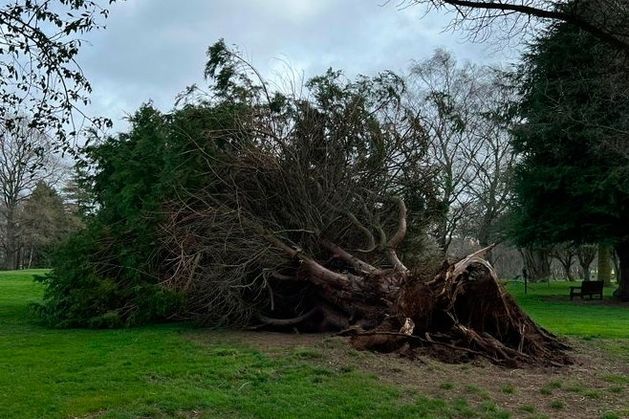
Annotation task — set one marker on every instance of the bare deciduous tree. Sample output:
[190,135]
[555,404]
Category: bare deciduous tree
[586,254]
[39,44]
[493,159]
[463,110]
[448,98]
[24,162]
[565,254]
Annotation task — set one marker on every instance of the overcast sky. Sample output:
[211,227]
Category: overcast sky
[153,49]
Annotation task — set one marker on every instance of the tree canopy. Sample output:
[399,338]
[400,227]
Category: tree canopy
[572,184]
[40,80]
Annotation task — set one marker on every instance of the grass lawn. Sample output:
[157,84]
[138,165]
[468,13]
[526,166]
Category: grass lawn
[550,305]
[163,371]
[177,370]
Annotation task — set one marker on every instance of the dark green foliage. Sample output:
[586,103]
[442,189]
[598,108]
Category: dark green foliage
[108,274]
[569,186]
[43,223]
[84,290]
[572,183]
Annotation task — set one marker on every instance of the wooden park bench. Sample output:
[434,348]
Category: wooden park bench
[590,288]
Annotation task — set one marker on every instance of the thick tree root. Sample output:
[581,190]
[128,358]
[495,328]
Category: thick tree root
[462,314]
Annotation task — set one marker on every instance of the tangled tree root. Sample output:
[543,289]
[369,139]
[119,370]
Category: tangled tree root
[464,313]
[461,313]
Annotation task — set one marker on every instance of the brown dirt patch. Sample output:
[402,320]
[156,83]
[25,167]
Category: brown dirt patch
[594,385]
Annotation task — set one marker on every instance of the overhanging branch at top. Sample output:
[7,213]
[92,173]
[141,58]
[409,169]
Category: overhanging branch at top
[608,20]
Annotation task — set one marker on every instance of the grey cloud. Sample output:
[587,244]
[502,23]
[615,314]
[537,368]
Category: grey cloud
[152,49]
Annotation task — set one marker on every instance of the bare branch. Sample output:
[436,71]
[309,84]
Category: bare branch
[606,19]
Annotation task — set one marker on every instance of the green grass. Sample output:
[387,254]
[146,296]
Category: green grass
[167,370]
[549,387]
[508,389]
[550,305]
[177,370]
[527,408]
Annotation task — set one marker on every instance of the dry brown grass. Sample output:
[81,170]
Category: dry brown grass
[594,385]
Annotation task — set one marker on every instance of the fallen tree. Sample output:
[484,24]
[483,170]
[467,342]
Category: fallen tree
[301,223]
[309,211]
[462,313]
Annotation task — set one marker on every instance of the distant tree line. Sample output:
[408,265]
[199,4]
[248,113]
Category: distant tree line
[34,216]
[43,92]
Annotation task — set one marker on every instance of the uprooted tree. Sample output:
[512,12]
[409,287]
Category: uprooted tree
[302,219]
[302,212]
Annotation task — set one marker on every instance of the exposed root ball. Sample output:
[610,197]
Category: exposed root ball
[462,314]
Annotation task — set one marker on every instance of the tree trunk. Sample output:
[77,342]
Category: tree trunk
[604,264]
[30,258]
[564,253]
[11,249]
[20,256]
[616,264]
[567,269]
[484,243]
[442,237]
[585,255]
[536,263]
[622,250]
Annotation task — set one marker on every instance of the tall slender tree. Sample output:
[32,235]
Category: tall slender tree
[604,272]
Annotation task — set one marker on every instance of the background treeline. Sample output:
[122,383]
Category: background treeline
[39,199]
